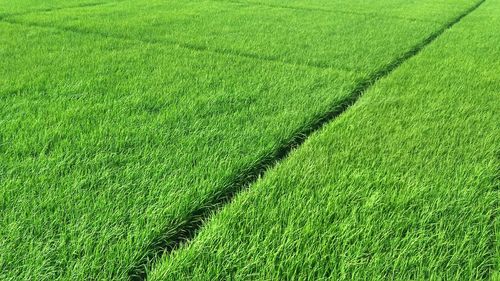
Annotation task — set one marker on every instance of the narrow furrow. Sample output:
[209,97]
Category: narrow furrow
[171,239]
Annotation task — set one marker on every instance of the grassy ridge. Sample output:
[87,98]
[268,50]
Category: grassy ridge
[403,186]
[108,142]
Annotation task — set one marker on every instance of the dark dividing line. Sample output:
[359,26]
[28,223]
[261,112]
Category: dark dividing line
[183,45]
[315,9]
[53,9]
[185,231]
[46,10]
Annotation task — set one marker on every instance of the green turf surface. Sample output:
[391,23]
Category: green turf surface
[118,120]
[403,186]
[105,143]
[314,38]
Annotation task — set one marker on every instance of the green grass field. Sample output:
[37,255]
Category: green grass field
[128,126]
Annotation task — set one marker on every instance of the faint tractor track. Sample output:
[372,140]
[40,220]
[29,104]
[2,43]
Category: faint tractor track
[46,10]
[317,9]
[183,45]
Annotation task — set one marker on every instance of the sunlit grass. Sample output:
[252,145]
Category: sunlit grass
[118,120]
